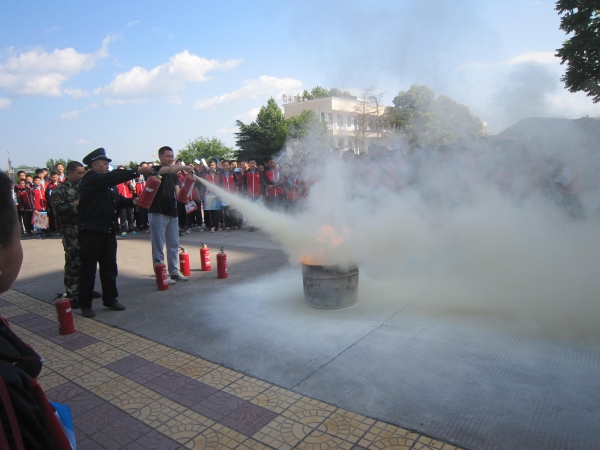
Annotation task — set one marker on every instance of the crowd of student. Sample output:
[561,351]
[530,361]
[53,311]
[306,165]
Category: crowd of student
[266,181]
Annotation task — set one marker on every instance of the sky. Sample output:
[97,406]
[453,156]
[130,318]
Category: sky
[134,76]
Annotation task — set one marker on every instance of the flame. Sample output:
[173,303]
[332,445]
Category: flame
[330,238]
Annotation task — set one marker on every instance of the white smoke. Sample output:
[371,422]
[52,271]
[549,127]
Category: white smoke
[462,231]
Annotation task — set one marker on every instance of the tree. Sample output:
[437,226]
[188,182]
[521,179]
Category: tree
[319,92]
[51,163]
[306,133]
[581,51]
[132,164]
[426,121]
[263,137]
[204,148]
[369,113]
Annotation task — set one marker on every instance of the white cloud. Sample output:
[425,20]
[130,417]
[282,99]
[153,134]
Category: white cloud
[248,116]
[52,29]
[228,130]
[37,72]
[83,141]
[132,23]
[165,81]
[75,93]
[5,103]
[77,112]
[265,85]
[534,57]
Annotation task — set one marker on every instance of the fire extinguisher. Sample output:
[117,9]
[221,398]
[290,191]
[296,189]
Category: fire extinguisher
[64,314]
[186,187]
[149,192]
[160,271]
[184,262]
[222,264]
[204,257]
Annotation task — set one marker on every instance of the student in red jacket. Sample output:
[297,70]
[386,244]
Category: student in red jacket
[294,188]
[212,204]
[126,214]
[49,187]
[37,200]
[254,182]
[228,181]
[274,185]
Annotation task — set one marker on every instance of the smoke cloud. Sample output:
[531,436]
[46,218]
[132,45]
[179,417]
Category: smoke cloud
[478,228]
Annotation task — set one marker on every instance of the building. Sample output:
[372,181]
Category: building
[353,123]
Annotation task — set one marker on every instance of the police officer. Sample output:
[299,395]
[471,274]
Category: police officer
[99,206]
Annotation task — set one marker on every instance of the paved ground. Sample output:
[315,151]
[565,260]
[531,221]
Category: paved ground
[473,380]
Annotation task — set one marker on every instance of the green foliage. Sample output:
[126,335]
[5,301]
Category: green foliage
[204,148]
[319,92]
[306,133]
[263,137]
[132,164]
[51,163]
[581,51]
[425,120]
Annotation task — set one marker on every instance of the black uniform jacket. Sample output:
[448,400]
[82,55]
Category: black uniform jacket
[99,202]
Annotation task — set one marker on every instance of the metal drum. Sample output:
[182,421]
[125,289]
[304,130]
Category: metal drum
[330,287]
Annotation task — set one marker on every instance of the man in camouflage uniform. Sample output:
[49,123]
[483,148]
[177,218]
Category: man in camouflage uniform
[65,202]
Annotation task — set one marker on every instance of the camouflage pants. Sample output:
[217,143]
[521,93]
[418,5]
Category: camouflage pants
[72,259]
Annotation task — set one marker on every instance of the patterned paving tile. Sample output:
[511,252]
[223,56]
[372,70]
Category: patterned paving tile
[74,341]
[128,392]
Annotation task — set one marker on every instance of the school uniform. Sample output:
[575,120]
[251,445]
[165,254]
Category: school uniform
[274,194]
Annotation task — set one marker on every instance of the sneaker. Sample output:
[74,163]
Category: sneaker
[88,312]
[188,231]
[147,231]
[96,294]
[171,281]
[178,276]
[116,306]
[74,303]
[134,233]
[59,234]
[227,229]
[123,234]
[29,234]
[213,229]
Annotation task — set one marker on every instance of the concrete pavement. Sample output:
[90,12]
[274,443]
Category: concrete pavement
[471,379]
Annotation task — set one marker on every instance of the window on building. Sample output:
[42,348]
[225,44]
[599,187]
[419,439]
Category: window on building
[340,121]
[322,117]
[330,117]
[349,121]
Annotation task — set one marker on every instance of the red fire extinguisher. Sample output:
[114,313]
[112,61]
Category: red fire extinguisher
[184,262]
[64,314]
[186,187]
[149,192]
[222,264]
[160,271]
[204,257]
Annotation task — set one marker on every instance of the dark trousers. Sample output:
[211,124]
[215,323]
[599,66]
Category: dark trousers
[212,217]
[126,216]
[182,215]
[98,249]
[28,216]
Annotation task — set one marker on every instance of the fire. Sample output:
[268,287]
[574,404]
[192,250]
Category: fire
[330,238]
[311,260]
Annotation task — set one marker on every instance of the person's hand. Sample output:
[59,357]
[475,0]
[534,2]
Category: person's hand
[147,171]
[189,169]
[136,201]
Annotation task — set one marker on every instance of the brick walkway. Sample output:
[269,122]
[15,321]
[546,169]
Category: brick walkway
[127,392]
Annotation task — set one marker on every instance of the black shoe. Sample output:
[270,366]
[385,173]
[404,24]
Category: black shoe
[116,306]
[96,294]
[88,312]
[74,303]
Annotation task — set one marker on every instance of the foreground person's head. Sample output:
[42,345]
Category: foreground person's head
[11,253]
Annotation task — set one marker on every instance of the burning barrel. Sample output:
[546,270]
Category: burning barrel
[330,287]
